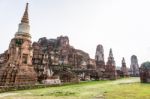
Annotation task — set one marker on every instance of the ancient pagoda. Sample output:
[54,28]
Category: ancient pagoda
[124,69]
[99,57]
[110,69]
[134,67]
[18,69]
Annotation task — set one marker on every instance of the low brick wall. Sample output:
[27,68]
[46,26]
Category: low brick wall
[23,87]
[26,87]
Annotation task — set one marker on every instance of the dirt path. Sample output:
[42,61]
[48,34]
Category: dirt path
[125,81]
[7,94]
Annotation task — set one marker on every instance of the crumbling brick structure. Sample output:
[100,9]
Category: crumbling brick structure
[17,68]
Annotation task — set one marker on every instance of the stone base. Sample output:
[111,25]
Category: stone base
[21,75]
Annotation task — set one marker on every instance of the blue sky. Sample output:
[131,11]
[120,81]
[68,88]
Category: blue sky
[123,25]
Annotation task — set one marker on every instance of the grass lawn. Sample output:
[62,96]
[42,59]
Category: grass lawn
[127,88]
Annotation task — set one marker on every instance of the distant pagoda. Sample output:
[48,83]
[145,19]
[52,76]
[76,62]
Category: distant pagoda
[134,67]
[124,69]
[110,69]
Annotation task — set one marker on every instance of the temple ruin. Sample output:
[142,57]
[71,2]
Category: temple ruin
[16,62]
[134,67]
[124,69]
[51,57]
[51,61]
[110,68]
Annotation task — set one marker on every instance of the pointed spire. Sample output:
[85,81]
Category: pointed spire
[110,53]
[123,60]
[25,18]
[111,60]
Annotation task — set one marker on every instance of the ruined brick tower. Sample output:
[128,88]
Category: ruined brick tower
[110,67]
[111,60]
[124,68]
[134,67]
[18,69]
[99,57]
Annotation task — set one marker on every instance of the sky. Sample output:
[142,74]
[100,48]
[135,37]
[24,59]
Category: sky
[123,25]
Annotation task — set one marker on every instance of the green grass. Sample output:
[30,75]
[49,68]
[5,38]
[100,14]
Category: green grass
[128,88]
